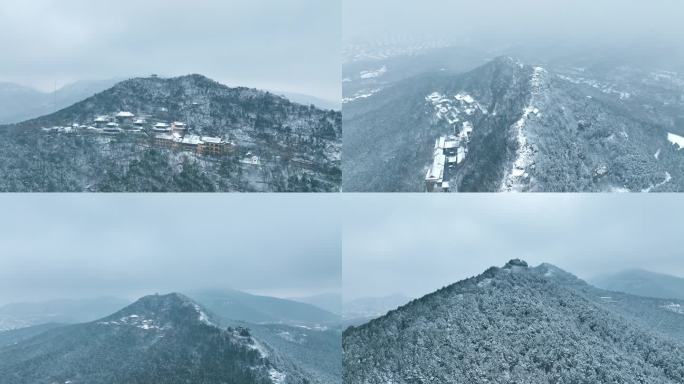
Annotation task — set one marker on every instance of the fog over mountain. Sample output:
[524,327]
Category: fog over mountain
[58,247]
[172,265]
[415,244]
[522,95]
[266,44]
[519,22]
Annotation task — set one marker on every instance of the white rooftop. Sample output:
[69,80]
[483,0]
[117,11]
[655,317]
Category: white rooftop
[165,136]
[124,114]
[212,140]
[161,125]
[192,140]
[436,171]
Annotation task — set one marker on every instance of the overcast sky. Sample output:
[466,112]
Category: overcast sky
[68,246]
[416,244]
[291,45]
[517,21]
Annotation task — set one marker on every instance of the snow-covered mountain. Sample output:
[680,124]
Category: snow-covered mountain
[508,126]
[520,324]
[167,338]
[179,134]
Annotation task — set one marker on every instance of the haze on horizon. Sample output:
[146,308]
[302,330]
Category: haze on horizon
[128,246]
[416,244]
[630,28]
[291,46]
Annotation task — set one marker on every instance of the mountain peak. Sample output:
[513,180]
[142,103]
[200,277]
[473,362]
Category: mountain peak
[507,60]
[515,263]
[164,310]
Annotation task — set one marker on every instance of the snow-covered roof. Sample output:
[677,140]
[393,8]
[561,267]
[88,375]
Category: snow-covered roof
[124,114]
[165,136]
[212,140]
[178,124]
[676,139]
[112,125]
[101,119]
[436,171]
[450,144]
[161,125]
[140,121]
[192,140]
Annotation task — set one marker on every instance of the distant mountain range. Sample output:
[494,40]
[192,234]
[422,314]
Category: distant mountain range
[331,302]
[185,134]
[643,283]
[173,339]
[21,315]
[242,306]
[19,103]
[509,126]
[521,324]
[312,100]
[367,308]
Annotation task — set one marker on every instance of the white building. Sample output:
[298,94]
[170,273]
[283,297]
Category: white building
[161,127]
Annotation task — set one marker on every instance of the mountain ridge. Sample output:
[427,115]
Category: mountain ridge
[167,337]
[525,123]
[517,323]
[224,139]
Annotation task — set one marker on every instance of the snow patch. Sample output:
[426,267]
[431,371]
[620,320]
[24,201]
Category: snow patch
[134,321]
[676,308]
[676,140]
[276,376]
[668,178]
[256,346]
[374,73]
[202,316]
[524,156]
[360,95]
[465,97]
[614,189]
